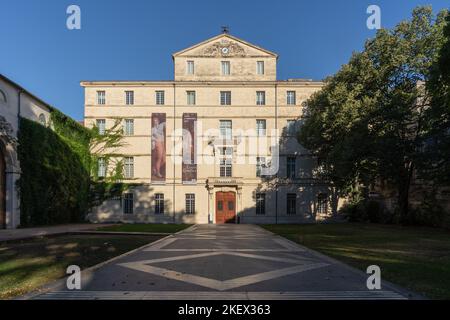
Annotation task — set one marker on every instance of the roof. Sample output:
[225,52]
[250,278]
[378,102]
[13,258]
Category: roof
[22,89]
[19,87]
[225,35]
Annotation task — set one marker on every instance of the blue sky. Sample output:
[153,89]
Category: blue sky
[134,39]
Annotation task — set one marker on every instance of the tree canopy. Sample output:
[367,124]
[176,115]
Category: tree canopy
[369,122]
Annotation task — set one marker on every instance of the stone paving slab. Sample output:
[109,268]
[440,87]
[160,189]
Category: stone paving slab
[226,261]
[25,233]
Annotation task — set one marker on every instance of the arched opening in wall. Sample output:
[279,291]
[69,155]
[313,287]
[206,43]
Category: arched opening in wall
[42,119]
[2,190]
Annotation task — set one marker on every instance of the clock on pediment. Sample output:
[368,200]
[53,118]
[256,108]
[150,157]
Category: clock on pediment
[224,48]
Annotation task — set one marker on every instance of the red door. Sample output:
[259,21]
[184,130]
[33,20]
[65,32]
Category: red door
[225,207]
[2,191]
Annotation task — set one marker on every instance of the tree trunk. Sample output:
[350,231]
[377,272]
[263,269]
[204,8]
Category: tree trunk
[403,193]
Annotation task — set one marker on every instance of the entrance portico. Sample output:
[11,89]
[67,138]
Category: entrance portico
[224,199]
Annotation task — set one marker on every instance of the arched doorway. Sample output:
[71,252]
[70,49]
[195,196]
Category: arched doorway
[2,190]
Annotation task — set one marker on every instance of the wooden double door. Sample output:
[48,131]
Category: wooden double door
[225,207]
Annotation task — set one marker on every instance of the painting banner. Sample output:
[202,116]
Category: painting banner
[158,141]
[189,167]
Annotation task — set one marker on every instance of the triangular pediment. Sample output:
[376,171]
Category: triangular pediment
[224,45]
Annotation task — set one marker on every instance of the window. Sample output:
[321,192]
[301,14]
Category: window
[101,123]
[190,203]
[290,167]
[129,167]
[260,128]
[260,67]
[129,127]
[260,203]
[226,129]
[290,97]
[42,119]
[322,203]
[101,168]
[160,97]
[128,203]
[260,162]
[226,68]
[225,167]
[291,203]
[101,97]
[225,98]
[190,67]
[190,97]
[129,97]
[260,98]
[159,203]
[290,128]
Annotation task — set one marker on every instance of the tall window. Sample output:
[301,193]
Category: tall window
[226,129]
[226,160]
[225,167]
[159,203]
[260,162]
[190,67]
[290,97]
[260,203]
[261,127]
[225,98]
[190,97]
[291,203]
[129,127]
[129,97]
[101,167]
[160,97]
[322,203]
[260,67]
[190,203]
[129,167]
[260,98]
[101,125]
[128,203]
[290,127]
[226,69]
[101,97]
[290,167]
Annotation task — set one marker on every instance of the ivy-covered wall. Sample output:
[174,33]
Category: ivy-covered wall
[55,164]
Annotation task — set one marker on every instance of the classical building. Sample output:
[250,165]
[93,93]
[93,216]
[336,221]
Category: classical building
[15,102]
[216,144]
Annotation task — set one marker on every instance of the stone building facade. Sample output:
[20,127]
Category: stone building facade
[15,102]
[216,144]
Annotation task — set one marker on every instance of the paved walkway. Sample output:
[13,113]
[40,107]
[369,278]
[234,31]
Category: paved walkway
[17,234]
[225,262]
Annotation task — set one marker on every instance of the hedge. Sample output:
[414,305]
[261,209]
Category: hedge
[55,175]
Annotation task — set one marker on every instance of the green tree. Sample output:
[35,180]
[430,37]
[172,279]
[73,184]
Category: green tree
[367,124]
[435,161]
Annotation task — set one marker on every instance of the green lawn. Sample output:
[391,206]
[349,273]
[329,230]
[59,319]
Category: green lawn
[28,264]
[413,257]
[142,227]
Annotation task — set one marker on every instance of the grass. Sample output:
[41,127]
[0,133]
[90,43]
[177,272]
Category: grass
[142,227]
[414,257]
[28,264]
